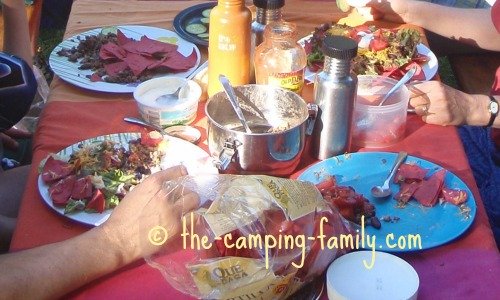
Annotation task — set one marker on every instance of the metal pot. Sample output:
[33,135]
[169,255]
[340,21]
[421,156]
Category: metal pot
[279,120]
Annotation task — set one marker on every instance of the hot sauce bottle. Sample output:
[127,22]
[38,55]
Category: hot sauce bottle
[280,60]
[229,44]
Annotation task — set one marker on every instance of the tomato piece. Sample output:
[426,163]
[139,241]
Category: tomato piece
[82,188]
[456,197]
[151,139]
[55,169]
[97,203]
[60,192]
[378,43]
[327,184]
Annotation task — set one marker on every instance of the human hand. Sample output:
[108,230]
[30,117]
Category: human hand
[7,138]
[440,104]
[149,204]
[390,10]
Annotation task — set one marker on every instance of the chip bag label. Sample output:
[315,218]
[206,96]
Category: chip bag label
[254,194]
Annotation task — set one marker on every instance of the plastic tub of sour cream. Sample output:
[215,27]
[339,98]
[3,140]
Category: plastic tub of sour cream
[168,112]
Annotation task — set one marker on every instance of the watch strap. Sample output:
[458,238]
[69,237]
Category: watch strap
[493,114]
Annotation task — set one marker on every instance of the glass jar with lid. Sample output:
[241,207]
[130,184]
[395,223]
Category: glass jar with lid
[280,60]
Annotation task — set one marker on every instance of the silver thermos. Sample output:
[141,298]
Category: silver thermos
[335,93]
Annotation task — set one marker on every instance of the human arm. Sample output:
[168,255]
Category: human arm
[16,37]
[52,271]
[471,26]
[440,104]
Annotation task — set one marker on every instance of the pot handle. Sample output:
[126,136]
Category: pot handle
[313,113]
[226,156]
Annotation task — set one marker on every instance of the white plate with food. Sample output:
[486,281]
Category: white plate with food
[369,60]
[116,59]
[69,183]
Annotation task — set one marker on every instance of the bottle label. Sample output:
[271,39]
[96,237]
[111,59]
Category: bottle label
[226,44]
[292,81]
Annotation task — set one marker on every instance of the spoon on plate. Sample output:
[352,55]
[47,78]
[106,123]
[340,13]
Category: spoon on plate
[402,81]
[384,190]
[185,132]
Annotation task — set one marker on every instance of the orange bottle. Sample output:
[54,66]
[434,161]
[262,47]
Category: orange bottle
[229,44]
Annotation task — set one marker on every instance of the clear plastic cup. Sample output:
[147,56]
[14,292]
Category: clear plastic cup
[379,126]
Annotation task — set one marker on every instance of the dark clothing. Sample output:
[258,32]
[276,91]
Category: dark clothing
[17,90]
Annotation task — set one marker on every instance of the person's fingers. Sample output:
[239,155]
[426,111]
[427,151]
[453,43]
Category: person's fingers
[188,203]
[422,110]
[169,174]
[18,133]
[8,142]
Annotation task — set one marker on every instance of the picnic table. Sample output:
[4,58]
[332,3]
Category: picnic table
[468,267]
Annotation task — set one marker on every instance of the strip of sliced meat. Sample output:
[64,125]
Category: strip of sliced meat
[55,169]
[60,191]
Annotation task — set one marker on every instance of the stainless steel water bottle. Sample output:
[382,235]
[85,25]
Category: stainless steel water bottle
[335,93]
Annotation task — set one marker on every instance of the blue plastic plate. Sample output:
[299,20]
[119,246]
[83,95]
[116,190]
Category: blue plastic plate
[433,226]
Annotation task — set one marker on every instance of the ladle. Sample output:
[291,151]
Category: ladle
[234,102]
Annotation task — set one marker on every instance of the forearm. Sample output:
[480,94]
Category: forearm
[16,31]
[478,114]
[30,275]
[472,26]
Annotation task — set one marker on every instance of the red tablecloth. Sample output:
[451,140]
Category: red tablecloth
[468,267]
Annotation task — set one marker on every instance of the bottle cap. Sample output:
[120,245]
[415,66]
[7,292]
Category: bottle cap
[269,4]
[339,47]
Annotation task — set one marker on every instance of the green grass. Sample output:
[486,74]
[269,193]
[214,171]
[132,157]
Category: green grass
[48,39]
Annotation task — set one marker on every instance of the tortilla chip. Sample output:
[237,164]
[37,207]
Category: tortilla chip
[112,51]
[178,62]
[409,173]
[115,68]
[429,190]
[138,63]
[406,191]
[122,39]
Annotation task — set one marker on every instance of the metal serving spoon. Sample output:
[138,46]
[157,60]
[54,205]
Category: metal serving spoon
[185,132]
[384,190]
[402,81]
[234,102]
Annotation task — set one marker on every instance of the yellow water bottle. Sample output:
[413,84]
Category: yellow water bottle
[229,44]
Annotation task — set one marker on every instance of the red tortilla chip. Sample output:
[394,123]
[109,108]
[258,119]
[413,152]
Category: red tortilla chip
[456,197]
[115,68]
[147,46]
[112,51]
[178,62]
[429,190]
[409,172]
[122,39]
[138,63]
[406,191]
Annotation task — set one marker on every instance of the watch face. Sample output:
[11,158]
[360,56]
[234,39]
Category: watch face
[493,107]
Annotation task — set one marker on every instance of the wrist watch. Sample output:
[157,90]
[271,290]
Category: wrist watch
[493,109]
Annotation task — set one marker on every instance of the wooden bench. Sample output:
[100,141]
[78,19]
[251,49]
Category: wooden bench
[475,73]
